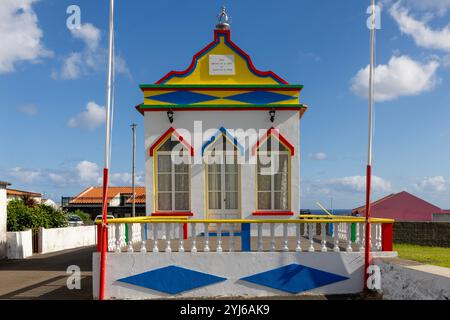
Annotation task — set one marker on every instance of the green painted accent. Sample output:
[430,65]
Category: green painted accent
[220,106]
[353,234]
[126,233]
[219,86]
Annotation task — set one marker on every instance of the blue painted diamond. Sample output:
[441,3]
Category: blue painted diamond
[294,278]
[172,279]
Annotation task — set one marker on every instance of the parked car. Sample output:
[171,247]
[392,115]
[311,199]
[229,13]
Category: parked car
[99,217]
[75,221]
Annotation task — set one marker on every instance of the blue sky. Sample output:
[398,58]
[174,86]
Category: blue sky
[52,88]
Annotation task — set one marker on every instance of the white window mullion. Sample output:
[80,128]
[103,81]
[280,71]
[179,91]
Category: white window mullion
[173,186]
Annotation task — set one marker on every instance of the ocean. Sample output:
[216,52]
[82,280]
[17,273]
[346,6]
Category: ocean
[338,212]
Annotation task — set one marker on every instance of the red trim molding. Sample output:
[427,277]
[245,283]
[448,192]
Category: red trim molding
[233,46]
[172,214]
[273,213]
[168,133]
[276,133]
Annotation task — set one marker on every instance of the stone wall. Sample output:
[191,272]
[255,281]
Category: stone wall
[423,233]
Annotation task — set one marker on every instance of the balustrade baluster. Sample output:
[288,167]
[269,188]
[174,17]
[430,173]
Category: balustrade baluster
[323,234]
[206,247]
[231,235]
[180,234]
[143,239]
[117,233]
[272,237]
[336,237]
[168,237]
[311,238]
[130,238]
[285,237]
[219,237]
[260,237]
[155,237]
[194,238]
[299,236]
[349,238]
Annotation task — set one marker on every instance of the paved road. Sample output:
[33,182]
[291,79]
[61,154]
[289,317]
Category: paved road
[44,277]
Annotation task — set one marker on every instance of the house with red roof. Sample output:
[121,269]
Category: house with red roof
[402,206]
[119,201]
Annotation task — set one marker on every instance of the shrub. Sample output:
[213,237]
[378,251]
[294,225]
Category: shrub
[83,215]
[20,217]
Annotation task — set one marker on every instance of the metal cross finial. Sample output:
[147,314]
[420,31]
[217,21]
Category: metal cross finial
[224,21]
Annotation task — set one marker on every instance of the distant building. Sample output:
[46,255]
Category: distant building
[13,194]
[119,201]
[402,206]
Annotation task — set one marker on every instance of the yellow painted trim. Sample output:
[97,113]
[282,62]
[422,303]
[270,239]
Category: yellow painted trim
[149,219]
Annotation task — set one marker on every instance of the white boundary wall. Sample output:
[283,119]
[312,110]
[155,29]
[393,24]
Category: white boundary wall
[232,266]
[19,245]
[51,240]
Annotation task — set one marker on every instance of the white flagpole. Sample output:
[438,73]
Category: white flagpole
[370,140]
[107,156]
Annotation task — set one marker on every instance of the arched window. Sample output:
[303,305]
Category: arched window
[273,172]
[172,156]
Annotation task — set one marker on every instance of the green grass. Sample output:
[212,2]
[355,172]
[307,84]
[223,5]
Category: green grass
[438,256]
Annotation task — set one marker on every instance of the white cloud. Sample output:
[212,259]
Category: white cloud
[438,6]
[402,76]
[433,184]
[358,184]
[92,118]
[89,34]
[423,35]
[24,175]
[318,156]
[91,59]
[28,110]
[21,37]
[88,172]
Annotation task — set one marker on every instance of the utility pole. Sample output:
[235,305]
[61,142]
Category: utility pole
[133,171]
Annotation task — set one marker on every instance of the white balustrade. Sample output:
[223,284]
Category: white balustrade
[260,237]
[336,237]
[298,248]
[219,237]
[194,238]
[272,237]
[168,237]
[285,237]
[181,235]
[231,238]
[155,237]
[311,237]
[349,237]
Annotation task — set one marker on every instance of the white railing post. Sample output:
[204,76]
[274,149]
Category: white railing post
[206,247]
[310,235]
[168,236]
[272,237]
[260,238]
[194,238]
[231,235]
[336,237]
[323,234]
[219,237]
[299,236]
[379,235]
[118,243]
[130,237]
[285,237]
[143,239]
[349,238]
[362,236]
[181,235]
[305,230]
[155,237]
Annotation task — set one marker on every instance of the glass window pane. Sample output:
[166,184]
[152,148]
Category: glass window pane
[231,182]
[215,200]
[264,202]
[182,201]
[164,163]
[164,201]
[214,168]
[164,182]
[181,182]
[281,200]
[182,167]
[281,182]
[231,200]
[264,182]
[214,182]
[283,162]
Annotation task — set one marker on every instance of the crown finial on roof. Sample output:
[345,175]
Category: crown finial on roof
[224,21]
